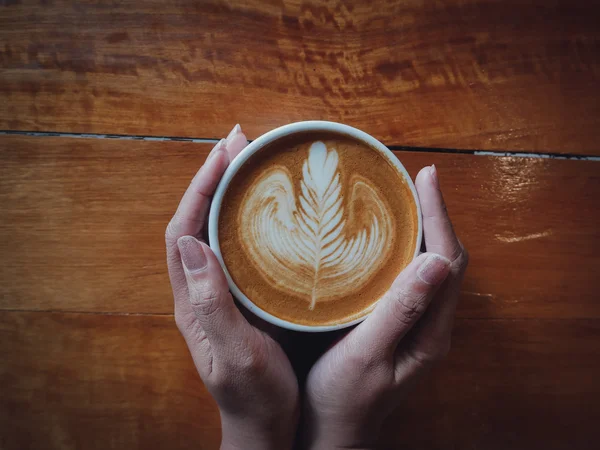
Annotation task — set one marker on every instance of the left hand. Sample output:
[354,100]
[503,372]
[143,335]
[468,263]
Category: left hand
[243,368]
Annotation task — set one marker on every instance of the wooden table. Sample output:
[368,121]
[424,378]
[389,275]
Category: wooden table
[108,108]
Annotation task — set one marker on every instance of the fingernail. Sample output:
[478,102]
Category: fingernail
[192,254]
[236,130]
[221,146]
[434,176]
[434,269]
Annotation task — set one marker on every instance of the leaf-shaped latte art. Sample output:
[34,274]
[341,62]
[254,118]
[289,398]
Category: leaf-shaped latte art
[301,241]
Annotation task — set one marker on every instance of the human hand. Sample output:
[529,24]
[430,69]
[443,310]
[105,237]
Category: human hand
[246,371]
[358,382]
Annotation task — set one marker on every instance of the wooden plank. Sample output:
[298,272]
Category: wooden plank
[518,384]
[83,223]
[124,381]
[477,74]
[89,381]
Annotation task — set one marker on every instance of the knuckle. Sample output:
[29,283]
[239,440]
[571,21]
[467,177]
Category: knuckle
[250,363]
[181,325]
[184,322]
[465,257]
[409,308]
[222,381]
[171,232]
[429,357]
[361,359]
[370,365]
[241,366]
[457,252]
[460,258]
[251,356]
[423,359]
[206,300]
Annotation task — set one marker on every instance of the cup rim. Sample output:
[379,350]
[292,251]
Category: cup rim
[256,145]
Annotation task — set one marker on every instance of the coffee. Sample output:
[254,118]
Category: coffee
[314,228]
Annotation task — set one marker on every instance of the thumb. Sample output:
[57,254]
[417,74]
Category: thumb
[405,302]
[209,293]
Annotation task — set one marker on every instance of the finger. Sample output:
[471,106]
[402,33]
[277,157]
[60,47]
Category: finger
[440,238]
[190,216]
[192,212]
[194,205]
[209,296]
[429,341]
[193,209]
[402,305]
[236,142]
[439,234]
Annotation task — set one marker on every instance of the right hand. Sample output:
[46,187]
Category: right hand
[358,382]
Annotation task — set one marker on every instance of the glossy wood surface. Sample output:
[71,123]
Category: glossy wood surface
[90,356]
[84,219]
[127,381]
[477,74]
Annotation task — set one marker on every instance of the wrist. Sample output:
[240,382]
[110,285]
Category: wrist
[326,446]
[325,435]
[247,434]
[337,445]
[331,443]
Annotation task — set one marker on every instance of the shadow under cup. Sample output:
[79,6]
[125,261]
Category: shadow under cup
[312,222]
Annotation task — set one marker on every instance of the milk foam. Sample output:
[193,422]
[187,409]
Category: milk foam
[301,241]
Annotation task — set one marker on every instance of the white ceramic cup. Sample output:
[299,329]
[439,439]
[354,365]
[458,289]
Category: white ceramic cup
[255,146]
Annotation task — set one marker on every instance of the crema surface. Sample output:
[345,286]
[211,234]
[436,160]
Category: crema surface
[314,228]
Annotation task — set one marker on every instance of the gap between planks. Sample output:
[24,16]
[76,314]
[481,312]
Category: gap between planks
[495,153]
[171,315]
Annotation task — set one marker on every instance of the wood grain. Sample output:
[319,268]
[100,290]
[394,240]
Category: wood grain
[477,74]
[114,382]
[91,381]
[518,384]
[84,219]
[83,222]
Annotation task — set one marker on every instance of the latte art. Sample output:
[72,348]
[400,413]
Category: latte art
[315,227]
[321,239]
